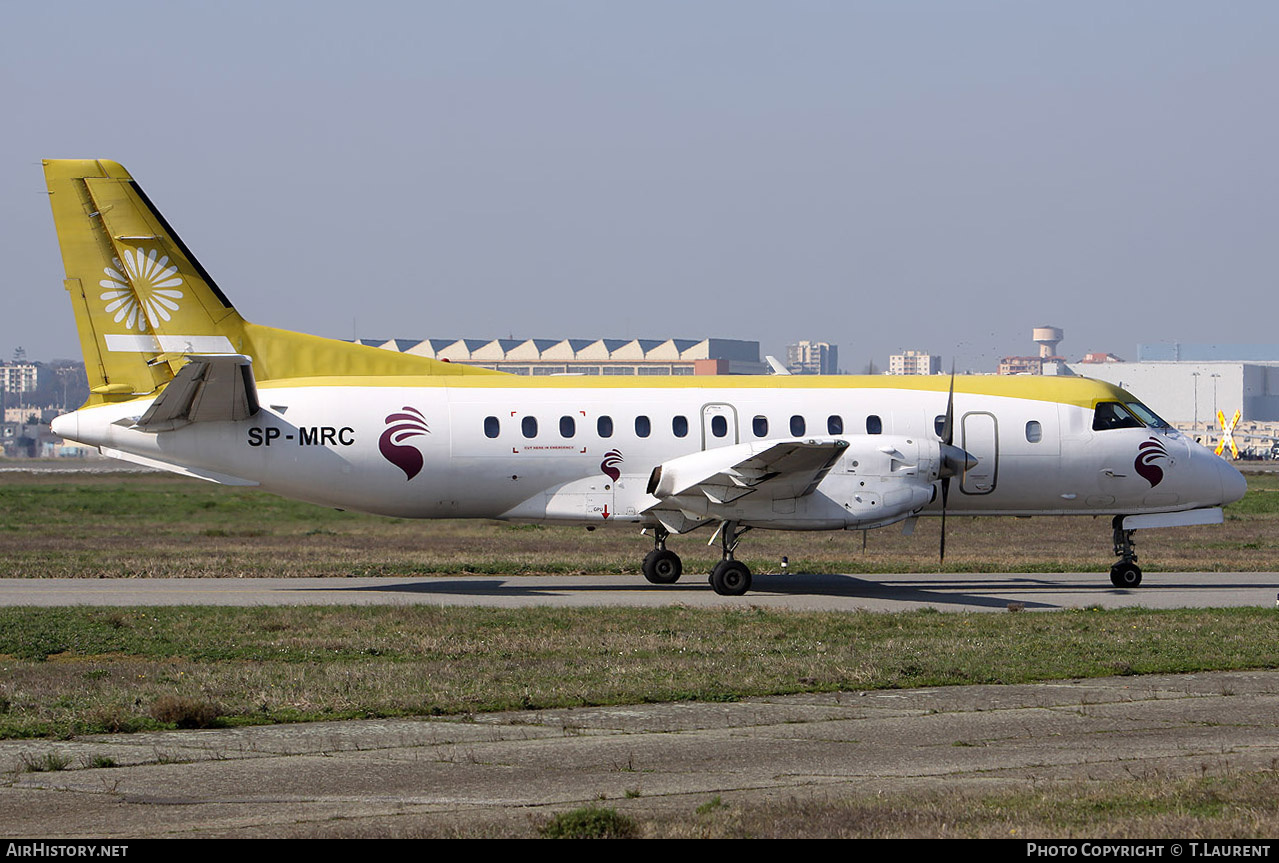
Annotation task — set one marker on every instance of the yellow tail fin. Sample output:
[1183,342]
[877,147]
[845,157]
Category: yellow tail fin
[142,301]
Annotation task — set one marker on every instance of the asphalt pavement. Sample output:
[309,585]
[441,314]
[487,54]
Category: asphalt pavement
[880,592]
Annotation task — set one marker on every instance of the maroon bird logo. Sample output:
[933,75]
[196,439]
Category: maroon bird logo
[612,458]
[1148,453]
[408,423]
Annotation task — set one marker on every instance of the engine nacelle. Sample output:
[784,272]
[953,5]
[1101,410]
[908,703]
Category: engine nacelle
[849,482]
[882,479]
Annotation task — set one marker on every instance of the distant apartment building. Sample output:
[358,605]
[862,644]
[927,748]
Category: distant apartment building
[1021,366]
[914,363]
[18,377]
[812,358]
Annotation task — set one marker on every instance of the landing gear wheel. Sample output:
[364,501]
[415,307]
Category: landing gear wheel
[1125,575]
[731,578]
[662,566]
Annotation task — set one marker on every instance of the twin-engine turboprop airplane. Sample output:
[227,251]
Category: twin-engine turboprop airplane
[180,381]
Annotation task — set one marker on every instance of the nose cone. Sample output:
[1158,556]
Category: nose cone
[1233,484]
[66,426]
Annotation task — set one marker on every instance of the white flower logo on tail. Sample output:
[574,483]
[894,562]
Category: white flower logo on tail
[146,293]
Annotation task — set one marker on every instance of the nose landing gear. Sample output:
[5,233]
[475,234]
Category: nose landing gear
[1125,573]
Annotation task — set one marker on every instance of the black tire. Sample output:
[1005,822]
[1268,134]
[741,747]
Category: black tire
[731,578]
[663,566]
[1125,575]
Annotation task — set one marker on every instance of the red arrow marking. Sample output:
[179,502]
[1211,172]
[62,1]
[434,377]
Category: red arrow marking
[606,510]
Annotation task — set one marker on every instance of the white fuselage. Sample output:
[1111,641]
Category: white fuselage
[585,454]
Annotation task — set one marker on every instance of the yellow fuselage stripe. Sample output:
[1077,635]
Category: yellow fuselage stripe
[1081,392]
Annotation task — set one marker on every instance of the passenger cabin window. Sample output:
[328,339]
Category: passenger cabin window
[760,426]
[643,428]
[797,426]
[719,426]
[528,425]
[568,427]
[1034,431]
[834,424]
[604,426]
[1113,415]
[679,425]
[874,425]
[492,428]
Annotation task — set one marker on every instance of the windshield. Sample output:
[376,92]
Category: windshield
[1113,415]
[1147,416]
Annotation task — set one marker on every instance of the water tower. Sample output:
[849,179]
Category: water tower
[1047,338]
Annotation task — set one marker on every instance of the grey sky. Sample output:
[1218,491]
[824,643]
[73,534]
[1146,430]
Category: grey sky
[879,175]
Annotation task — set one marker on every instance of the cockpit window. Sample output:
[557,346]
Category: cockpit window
[1113,415]
[1146,415]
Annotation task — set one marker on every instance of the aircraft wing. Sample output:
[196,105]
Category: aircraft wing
[209,388]
[778,470]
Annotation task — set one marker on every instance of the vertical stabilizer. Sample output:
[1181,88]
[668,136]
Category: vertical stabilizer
[143,303]
[141,299]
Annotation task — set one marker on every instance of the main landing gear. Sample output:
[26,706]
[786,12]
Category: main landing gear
[662,566]
[729,577]
[1125,573]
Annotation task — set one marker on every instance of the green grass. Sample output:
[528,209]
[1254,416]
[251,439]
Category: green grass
[75,670]
[590,822]
[1239,806]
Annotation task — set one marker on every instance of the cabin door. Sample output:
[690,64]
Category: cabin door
[719,425]
[980,439]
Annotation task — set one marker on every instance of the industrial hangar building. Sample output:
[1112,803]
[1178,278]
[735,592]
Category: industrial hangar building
[589,356]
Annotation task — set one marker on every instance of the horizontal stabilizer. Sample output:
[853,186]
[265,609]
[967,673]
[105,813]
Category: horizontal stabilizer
[209,388]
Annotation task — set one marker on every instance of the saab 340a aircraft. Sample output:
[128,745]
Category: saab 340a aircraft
[180,381]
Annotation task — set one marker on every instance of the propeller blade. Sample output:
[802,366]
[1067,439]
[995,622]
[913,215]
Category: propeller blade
[948,441]
[945,493]
[948,429]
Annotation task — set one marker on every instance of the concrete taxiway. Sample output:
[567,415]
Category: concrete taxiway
[409,776]
[880,592]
